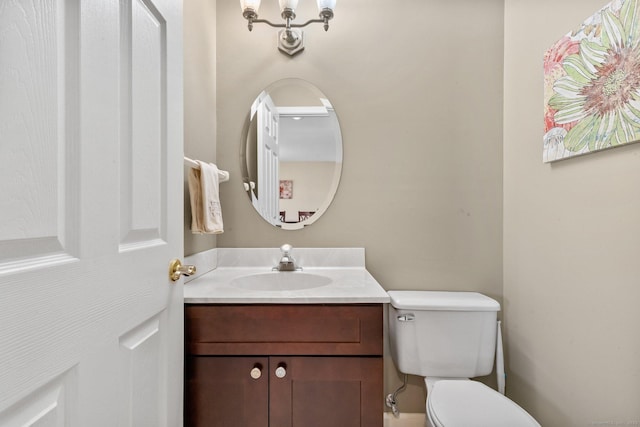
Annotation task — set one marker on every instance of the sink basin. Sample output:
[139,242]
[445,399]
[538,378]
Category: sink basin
[280,281]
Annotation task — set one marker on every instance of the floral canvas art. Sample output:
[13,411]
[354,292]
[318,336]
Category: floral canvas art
[286,189]
[592,84]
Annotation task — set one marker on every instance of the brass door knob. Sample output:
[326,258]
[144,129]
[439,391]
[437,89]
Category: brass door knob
[176,269]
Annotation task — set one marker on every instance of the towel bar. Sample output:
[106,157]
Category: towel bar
[223,175]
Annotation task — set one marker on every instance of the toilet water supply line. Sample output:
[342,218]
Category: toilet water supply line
[500,374]
[392,402]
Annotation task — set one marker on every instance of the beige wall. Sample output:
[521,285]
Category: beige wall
[419,99]
[571,246]
[311,183]
[199,101]
[420,105]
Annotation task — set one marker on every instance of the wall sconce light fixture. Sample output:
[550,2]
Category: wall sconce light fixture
[290,40]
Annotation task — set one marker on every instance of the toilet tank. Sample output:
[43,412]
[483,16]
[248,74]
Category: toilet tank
[443,334]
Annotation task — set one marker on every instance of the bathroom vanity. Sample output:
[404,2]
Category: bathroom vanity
[263,351]
[283,365]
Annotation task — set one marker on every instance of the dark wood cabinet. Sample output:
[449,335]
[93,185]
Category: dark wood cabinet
[219,391]
[283,366]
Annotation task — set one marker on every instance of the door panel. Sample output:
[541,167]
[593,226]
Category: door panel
[91,105]
[143,130]
[38,121]
[141,370]
[46,406]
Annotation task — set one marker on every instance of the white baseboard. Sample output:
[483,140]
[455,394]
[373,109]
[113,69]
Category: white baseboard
[404,420]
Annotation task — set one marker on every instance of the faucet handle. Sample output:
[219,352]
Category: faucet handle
[286,263]
[285,249]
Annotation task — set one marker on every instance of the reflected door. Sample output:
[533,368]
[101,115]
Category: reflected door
[91,213]
[268,165]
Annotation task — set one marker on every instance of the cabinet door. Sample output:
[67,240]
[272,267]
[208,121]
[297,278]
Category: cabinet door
[326,391]
[222,392]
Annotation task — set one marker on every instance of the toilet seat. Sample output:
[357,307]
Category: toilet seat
[455,403]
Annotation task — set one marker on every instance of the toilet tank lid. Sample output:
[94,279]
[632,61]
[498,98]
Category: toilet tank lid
[442,300]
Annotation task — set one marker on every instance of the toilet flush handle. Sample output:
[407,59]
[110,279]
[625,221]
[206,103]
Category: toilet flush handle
[406,317]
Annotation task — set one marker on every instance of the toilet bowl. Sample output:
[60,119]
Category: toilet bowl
[448,338]
[465,403]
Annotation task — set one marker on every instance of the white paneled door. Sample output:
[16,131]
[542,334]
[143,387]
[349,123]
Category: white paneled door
[90,213]
[268,165]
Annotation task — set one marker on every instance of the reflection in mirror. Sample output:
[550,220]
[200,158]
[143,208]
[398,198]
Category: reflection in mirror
[292,156]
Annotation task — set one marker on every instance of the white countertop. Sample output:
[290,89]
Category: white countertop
[350,284]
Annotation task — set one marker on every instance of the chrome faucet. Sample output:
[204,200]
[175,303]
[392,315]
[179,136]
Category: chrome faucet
[286,263]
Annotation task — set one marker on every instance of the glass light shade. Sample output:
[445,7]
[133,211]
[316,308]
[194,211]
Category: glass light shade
[326,4]
[250,4]
[288,4]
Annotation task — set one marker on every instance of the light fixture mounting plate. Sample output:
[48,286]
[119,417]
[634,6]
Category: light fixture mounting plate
[291,47]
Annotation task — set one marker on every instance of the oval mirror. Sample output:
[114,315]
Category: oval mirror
[292,156]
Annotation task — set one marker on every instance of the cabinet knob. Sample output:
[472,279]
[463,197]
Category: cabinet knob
[256,372]
[281,371]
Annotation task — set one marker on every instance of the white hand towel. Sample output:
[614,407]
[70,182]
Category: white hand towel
[206,213]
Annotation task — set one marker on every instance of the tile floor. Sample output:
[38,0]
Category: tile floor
[405,420]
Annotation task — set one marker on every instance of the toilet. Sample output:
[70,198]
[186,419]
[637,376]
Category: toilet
[448,338]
